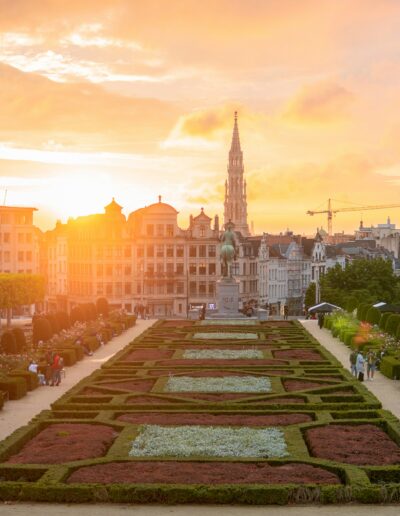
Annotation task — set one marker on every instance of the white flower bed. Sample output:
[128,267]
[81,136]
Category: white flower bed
[208,441]
[224,354]
[224,384]
[228,322]
[225,336]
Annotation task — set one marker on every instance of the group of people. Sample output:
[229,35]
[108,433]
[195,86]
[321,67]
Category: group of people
[142,311]
[358,362]
[48,371]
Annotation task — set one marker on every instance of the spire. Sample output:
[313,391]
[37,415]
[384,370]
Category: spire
[235,145]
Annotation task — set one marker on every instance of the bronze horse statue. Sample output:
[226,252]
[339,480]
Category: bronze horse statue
[228,250]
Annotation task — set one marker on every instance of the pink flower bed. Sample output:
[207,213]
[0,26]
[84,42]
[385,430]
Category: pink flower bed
[210,473]
[65,442]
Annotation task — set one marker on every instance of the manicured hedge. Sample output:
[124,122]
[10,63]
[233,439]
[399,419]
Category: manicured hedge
[390,367]
[15,386]
[383,320]
[362,311]
[373,315]
[392,323]
[32,380]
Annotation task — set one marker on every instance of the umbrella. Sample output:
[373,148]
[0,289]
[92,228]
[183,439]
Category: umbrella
[323,308]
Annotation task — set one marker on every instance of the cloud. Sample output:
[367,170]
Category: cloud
[323,102]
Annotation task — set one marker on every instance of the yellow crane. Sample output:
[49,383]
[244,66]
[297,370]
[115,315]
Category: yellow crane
[331,211]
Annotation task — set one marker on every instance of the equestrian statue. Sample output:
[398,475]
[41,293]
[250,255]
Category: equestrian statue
[228,249]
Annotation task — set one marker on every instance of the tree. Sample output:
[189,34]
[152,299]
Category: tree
[41,330]
[8,344]
[392,324]
[309,299]
[102,306]
[77,314]
[373,315]
[20,289]
[20,341]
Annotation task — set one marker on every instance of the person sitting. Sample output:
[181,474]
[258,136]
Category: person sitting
[79,342]
[33,368]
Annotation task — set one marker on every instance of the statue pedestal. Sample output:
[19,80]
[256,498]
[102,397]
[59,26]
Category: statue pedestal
[228,297]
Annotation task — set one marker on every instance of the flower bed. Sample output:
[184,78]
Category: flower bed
[298,354]
[132,385]
[300,385]
[224,384]
[258,362]
[353,444]
[215,419]
[172,472]
[222,354]
[65,442]
[226,336]
[208,441]
[149,354]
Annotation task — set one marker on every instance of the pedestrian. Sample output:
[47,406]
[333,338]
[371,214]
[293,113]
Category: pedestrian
[371,364]
[353,361]
[285,312]
[321,318]
[56,366]
[360,366]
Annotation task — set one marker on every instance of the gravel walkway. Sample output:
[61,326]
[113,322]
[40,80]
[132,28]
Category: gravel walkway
[387,391]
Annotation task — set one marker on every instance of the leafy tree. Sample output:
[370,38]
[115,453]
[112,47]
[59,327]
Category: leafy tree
[41,330]
[102,306]
[20,289]
[8,344]
[62,320]
[77,314]
[392,324]
[309,299]
[373,315]
[20,341]
[383,320]
[352,303]
[362,311]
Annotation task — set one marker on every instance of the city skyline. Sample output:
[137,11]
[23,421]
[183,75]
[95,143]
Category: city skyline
[133,100]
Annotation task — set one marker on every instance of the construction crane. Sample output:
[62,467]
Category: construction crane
[331,212]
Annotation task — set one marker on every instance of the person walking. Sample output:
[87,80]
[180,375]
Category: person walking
[371,364]
[353,361]
[56,366]
[360,366]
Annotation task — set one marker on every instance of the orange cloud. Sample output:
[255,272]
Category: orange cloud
[322,102]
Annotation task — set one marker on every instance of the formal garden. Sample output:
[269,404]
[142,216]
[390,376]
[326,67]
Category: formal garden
[201,412]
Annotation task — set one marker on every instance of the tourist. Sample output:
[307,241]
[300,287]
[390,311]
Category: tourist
[353,361]
[321,318]
[371,364]
[360,366]
[56,366]
[33,368]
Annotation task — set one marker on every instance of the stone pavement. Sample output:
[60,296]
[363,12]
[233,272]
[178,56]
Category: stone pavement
[387,391]
[17,413]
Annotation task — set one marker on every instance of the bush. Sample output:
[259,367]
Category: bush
[62,320]
[352,304]
[77,314]
[392,324]
[8,343]
[373,315]
[16,387]
[41,330]
[53,323]
[32,379]
[20,340]
[390,367]
[102,306]
[382,323]
[362,311]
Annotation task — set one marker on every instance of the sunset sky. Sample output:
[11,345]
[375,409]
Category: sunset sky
[135,98]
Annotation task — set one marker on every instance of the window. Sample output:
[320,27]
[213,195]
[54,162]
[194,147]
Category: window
[160,268]
[235,268]
[128,270]
[192,268]
[150,251]
[28,256]
[202,288]
[109,270]
[138,288]
[21,238]
[160,288]
[28,238]
[192,251]
[20,256]
[179,251]
[211,288]
[202,251]
[160,230]
[202,231]
[170,251]
[108,252]
[118,269]
[211,251]
[202,269]
[211,269]
[150,268]
[118,252]
[170,268]
[118,289]
[140,252]
[170,230]
[109,289]
[150,229]
[6,237]
[180,287]
[128,251]
[192,288]
[5,219]
[179,268]
[128,288]
[170,287]
[160,251]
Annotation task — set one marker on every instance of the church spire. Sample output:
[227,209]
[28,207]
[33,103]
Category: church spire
[235,206]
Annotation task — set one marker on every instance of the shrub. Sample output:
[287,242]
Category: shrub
[8,344]
[373,315]
[390,367]
[352,303]
[20,340]
[362,311]
[16,387]
[41,330]
[62,320]
[32,379]
[77,314]
[382,323]
[53,323]
[102,306]
[392,324]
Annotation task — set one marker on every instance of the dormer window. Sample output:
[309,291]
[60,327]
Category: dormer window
[202,231]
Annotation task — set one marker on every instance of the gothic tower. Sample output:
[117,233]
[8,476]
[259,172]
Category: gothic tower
[235,205]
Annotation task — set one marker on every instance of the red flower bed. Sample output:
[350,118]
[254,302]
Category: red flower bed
[300,385]
[212,419]
[66,442]
[130,385]
[149,354]
[208,362]
[353,444]
[298,354]
[210,473]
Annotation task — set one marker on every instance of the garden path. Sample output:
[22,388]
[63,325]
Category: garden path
[387,391]
[18,413]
